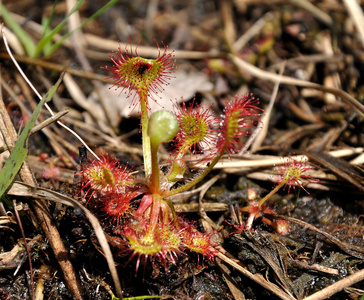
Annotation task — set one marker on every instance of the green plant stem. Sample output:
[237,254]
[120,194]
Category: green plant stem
[271,193]
[178,166]
[155,186]
[197,179]
[147,154]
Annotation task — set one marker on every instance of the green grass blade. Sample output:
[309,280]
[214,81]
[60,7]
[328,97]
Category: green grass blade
[19,153]
[56,45]
[46,39]
[24,38]
[46,30]
[46,24]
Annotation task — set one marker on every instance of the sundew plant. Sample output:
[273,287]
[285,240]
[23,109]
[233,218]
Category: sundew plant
[140,207]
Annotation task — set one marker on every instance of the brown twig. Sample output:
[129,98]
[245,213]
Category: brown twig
[347,248]
[41,210]
[24,190]
[265,75]
[255,277]
[31,292]
[56,67]
[337,286]
[40,126]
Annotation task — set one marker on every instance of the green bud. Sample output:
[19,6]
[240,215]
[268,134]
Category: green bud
[162,127]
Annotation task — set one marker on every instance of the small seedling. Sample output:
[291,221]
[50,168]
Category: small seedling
[291,174]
